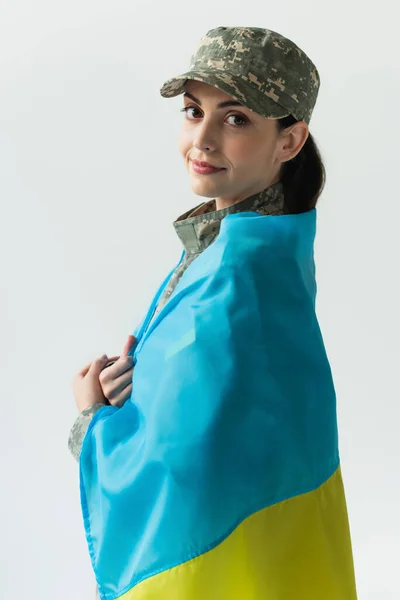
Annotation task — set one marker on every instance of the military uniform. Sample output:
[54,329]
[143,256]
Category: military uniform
[197,228]
[271,75]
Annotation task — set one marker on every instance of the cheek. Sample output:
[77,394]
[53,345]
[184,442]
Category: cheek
[184,142]
[242,153]
[250,154]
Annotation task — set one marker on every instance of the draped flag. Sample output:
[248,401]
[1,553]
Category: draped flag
[220,478]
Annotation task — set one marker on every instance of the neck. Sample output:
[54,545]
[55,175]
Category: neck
[198,227]
[225,202]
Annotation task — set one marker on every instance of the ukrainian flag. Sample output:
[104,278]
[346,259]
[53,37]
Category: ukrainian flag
[220,478]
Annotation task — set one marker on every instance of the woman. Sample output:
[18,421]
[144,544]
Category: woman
[214,471]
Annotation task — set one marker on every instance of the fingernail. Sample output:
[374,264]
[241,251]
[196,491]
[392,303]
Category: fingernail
[104,357]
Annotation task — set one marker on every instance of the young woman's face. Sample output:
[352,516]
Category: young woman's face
[246,144]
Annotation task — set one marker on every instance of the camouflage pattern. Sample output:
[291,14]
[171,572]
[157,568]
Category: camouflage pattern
[262,69]
[199,227]
[79,429]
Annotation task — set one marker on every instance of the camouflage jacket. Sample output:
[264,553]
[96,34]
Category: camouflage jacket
[197,228]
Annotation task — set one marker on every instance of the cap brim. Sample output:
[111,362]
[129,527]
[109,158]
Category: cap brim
[231,85]
[175,86]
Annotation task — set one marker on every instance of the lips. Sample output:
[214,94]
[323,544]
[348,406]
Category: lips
[201,163]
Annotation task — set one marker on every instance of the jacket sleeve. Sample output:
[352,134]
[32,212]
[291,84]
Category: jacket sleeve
[79,429]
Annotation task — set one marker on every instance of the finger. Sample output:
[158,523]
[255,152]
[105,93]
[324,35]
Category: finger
[124,363]
[98,365]
[122,397]
[113,358]
[112,387]
[83,371]
[111,361]
[129,343]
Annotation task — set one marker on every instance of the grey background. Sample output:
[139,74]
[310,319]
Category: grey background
[90,183]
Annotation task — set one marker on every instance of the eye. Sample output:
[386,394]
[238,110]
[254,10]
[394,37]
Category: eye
[187,108]
[244,120]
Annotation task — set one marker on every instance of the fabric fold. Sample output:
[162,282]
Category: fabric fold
[226,456]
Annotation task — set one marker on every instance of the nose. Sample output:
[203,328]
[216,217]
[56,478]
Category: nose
[205,137]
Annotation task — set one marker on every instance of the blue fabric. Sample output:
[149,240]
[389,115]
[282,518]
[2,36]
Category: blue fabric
[138,331]
[233,405]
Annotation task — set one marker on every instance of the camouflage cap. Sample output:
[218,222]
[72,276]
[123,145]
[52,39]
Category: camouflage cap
[260,68]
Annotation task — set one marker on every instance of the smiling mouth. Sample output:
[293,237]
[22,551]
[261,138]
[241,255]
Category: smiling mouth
[202,165]
[206,165]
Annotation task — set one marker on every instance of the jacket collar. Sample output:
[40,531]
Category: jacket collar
[198,227]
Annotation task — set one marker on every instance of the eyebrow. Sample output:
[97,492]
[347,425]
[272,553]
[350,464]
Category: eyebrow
[220,105]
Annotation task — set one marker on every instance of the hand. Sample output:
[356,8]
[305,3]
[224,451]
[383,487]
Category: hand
[116,379]
[86,385]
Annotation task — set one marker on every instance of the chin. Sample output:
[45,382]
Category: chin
[203,189]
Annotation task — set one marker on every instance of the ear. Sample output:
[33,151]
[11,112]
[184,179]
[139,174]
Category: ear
[293,139]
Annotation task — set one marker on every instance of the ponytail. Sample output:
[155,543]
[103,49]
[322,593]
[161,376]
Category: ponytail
[303,177]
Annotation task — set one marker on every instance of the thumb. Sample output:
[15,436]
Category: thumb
[129,343]
[97,365]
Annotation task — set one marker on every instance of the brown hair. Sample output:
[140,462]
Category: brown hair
[303,177]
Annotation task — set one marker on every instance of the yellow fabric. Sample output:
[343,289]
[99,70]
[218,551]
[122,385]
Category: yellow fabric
[298,549]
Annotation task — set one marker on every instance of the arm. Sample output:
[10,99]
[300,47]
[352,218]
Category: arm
[113,396]
[82,422]
[226,418]
[79,429]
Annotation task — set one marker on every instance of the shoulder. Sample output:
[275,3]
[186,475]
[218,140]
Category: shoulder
[258,252]
[250,244]
[248,237]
